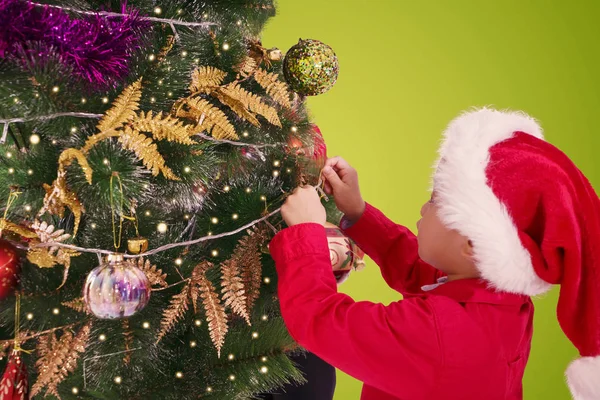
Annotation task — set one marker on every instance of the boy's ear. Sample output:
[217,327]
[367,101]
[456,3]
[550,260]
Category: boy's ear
[467,248]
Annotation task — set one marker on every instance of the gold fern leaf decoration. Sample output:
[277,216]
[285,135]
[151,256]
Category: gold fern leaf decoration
[123,109]
[237,107]
[252,102]
[174,312]
[163,127]
[154,274]
[233,289]
[205,79]
[208,117]
[275,88]
[215,312]
[246,67]
[146,150]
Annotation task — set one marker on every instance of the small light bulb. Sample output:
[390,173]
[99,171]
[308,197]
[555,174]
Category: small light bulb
[239,22]
[83,100]
[29,316]
[209,233]
[29,172]
[146,325]
[245,134]
[34,139]
[205,15]
[289,170]
[178,261]
[196,60]
[37,95]
[179,374]
[55,89]
[263,198]
[94,226]
[162,227]
[227,188]
[11,170]
[54,142]
[235,216]
[73,129]
[264,317]
[8,154]
[275,173]
[193,343]
[118,380]
[225,46]
[75,390]
[267,280]
[105,100]
[183,53]
[146,186]
[186,216]
[170,94]
[263,359]
[187,169]
[254,335]
[16,100]
[147,213]
[294,129]
[248,190]
[105,161]
[209,389]
[232,377]
[214,220]
[197,322]
[152,57]
[160,82]
[264,370]
[179,11]
[276,163]
[28,208]
[230,357]
[102,337]
[157,10]
[214,253]
[56,311]
[152,99]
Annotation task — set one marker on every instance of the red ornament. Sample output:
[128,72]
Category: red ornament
[14,384]
[10,268]
[344,254]
[317,150]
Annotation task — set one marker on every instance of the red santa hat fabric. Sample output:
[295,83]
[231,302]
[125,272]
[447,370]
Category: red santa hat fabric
[533,219]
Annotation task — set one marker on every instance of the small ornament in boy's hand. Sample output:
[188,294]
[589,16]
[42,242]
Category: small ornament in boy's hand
[345,255]
[310,67]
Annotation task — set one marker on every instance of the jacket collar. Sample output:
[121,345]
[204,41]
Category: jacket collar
[475,291]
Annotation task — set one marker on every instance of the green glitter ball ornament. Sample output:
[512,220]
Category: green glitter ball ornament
[310,67]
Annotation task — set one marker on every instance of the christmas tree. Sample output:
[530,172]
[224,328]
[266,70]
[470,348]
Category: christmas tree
[146,149]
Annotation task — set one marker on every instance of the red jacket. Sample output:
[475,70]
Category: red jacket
[459,341]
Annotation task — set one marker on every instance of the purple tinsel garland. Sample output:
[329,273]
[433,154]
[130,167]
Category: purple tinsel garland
[95,48]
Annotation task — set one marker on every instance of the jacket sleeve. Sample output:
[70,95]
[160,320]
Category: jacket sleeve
[393,348]
[394,248]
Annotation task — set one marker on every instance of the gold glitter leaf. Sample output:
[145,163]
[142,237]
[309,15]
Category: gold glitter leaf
[163,127]
[275,88]
[174,312]
[215,312]
[41,257]
[247,255]
[233,289]
[237,107]
[205,79]
[77,305]
[247,67]
[208,117]
[123,109]
[58,196]
[146,150]
[252,102]
[154,274]
[58,359]
[68,155]
[22,231]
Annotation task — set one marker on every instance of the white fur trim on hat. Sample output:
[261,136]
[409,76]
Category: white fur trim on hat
[583,378]
[467,204]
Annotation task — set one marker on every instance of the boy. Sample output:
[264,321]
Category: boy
[510,215]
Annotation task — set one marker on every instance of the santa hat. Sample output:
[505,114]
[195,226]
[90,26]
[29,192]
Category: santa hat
[533,219]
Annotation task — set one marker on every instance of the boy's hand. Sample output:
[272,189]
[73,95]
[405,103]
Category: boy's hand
[303,206]
[342,182]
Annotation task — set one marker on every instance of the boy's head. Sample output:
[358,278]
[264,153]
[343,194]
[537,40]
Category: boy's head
[526,217]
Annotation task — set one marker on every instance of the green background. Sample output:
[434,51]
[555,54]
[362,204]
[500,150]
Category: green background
[407,68]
